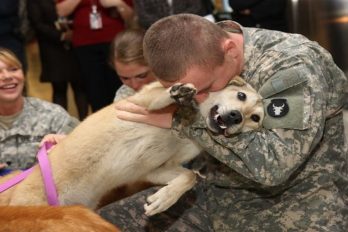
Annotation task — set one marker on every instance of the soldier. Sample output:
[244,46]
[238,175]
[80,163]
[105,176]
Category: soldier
[24,121]
[289,176]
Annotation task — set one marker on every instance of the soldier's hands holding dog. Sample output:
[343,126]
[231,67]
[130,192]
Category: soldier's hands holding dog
[129,111]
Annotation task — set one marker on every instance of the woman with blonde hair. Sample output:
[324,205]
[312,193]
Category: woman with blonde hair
[24,121]
[128,60]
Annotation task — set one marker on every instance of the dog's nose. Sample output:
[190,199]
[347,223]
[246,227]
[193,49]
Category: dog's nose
[234,117]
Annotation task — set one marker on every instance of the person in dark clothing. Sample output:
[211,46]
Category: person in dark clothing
[267,14]
[149,11]
[95,24]
[58,61]
[10,35]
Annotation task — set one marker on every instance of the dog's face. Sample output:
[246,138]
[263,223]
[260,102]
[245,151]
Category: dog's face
[237,108]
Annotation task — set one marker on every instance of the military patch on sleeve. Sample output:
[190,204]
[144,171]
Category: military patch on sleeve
[283,99]
[278,107]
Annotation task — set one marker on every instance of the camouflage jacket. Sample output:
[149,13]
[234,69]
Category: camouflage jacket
[298,161]
[123,92]
[19,144]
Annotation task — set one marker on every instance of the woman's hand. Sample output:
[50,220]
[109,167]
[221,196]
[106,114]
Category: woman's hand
[3,165]
[129,111]
[52,138]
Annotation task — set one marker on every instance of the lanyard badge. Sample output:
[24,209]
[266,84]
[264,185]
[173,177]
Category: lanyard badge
[95,20]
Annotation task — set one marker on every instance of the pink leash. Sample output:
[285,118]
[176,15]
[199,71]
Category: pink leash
[46,172]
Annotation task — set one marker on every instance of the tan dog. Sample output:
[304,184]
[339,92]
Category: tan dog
[104,152]
[52,219]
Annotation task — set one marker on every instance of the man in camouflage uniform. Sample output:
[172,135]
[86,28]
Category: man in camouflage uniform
[290,175]
[24,121]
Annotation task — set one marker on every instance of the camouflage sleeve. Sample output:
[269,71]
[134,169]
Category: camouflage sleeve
[123,92]
[268,156]
[62,122]
[70,124]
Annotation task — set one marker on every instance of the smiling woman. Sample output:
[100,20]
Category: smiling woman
[24,121]
[11,83]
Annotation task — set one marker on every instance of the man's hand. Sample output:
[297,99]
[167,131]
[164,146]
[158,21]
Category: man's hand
[129,111]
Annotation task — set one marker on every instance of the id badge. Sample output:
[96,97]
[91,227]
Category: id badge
[95,20]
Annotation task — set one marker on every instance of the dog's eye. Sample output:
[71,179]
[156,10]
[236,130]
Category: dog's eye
[255,118]
[241,96]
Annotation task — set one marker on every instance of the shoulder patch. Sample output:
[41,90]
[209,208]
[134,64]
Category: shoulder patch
[278,107]
[283,98]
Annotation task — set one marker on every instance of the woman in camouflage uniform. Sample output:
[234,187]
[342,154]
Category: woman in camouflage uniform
[24,121]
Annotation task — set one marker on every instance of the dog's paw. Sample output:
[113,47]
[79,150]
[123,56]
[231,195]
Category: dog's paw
[161,200]
[183,93]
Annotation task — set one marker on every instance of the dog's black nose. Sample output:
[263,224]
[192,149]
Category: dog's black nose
[234,117]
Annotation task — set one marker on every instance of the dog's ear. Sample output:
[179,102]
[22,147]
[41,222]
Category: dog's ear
[237,81]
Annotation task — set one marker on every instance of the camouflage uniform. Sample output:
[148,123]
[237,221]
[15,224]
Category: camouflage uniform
[123,92]
[290,175]
[19,144]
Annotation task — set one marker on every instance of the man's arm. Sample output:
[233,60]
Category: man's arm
[125,10]
[270,156]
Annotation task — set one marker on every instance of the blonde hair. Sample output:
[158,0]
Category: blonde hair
[175,43]
[127,47]
[9,58]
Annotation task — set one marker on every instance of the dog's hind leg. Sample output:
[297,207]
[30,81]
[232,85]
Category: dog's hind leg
[177,179]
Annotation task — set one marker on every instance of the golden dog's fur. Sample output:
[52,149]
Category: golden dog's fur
[104,152]
[52,219]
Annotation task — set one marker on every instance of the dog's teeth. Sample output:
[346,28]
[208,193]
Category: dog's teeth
[219,121]
[222,126]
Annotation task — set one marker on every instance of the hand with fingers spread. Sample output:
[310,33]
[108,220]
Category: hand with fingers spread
[129,111]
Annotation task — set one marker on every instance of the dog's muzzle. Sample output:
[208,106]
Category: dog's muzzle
[221,122]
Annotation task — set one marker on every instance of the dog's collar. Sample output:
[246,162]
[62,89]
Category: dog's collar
[46,171]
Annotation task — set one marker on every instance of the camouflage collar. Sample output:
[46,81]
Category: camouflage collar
[230,26]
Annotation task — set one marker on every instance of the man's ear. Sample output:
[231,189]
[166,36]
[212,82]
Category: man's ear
[230,47]
[237,81]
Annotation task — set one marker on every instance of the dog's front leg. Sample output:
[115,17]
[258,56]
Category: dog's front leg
[180,93]
[177,179]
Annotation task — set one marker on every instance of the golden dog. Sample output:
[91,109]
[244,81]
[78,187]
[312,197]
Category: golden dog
[104,152]
[52,219]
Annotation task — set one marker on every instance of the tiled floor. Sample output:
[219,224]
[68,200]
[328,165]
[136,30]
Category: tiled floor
[44,91]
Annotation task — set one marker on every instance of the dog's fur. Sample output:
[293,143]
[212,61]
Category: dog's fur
[52,219]
[104,152]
